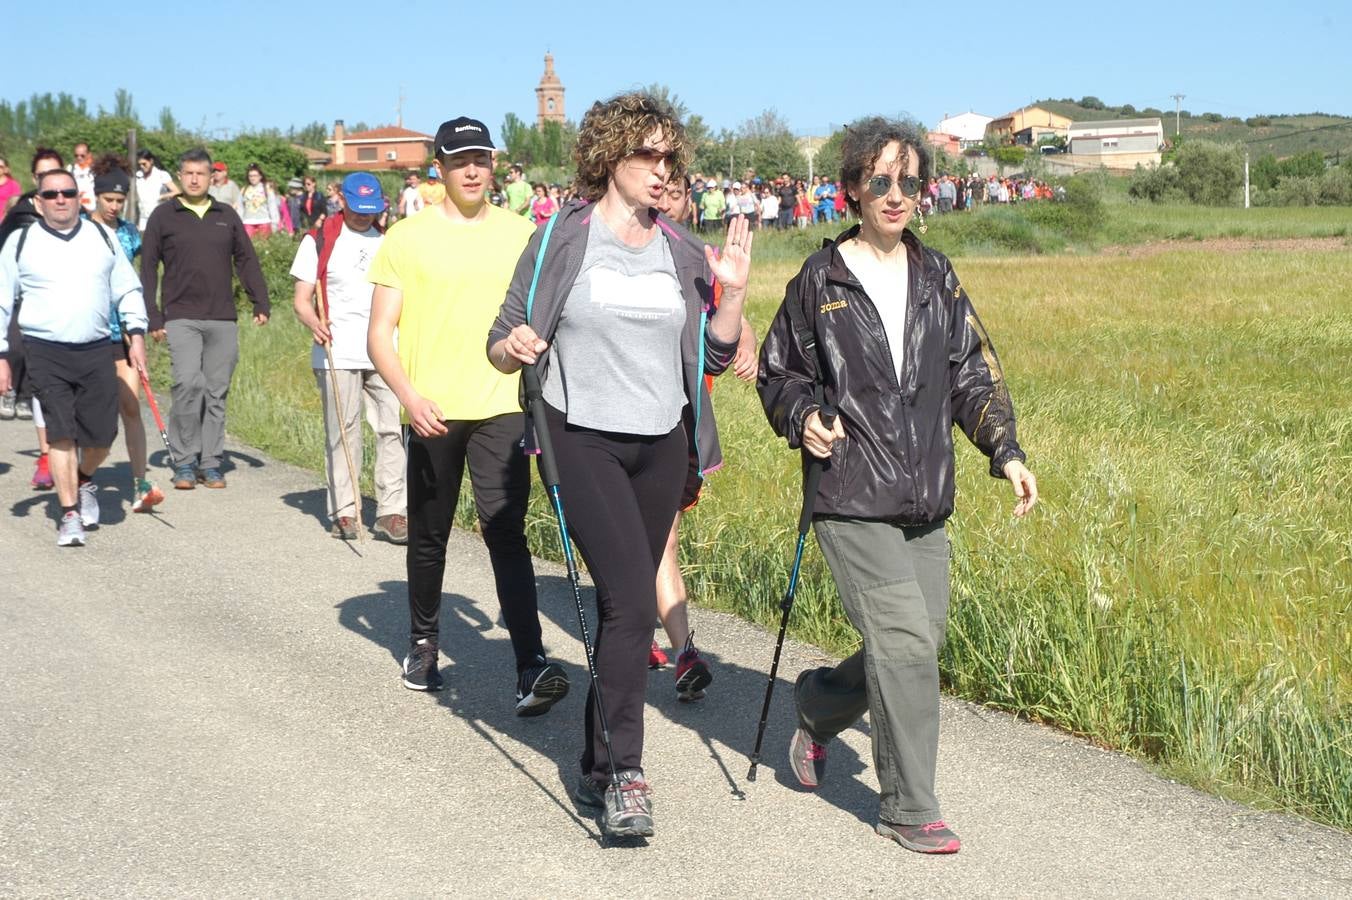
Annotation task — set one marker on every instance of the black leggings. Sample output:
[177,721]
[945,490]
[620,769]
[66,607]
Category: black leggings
[499,474]
[619,496]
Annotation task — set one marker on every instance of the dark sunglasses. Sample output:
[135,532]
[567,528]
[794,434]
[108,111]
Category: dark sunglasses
[68,193]
[881,185]
[652,156]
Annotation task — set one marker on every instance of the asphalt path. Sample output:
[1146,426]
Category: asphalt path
[206,702]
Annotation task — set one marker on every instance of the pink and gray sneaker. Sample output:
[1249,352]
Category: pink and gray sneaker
[692,672]
[807,758]
[934,837]
[656,658]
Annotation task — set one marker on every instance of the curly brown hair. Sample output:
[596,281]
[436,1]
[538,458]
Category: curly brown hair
[614,128]
[864,143]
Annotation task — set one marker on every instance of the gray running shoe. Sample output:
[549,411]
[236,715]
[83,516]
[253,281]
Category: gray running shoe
[807,758]
[70,531]
[89,504]
[936,837]
[629,807]
[7,405]
[23,410]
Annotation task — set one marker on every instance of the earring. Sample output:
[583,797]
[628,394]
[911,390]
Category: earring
[922,227]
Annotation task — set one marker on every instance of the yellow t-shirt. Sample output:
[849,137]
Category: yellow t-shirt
[453,276]
[432,192]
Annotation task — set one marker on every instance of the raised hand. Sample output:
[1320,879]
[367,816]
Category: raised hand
[732,267]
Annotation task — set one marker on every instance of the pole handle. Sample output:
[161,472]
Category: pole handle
[828,415]
[535,404]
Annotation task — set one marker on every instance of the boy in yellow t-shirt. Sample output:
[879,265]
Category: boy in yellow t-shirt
[440,276]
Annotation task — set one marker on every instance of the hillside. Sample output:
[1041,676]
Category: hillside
[1280,135]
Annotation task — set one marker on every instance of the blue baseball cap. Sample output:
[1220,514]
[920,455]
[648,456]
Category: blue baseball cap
[362,193]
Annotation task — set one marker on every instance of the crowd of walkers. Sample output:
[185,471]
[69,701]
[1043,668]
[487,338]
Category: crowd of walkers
[625,316]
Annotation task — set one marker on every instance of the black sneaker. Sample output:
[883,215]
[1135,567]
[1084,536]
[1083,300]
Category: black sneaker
[540,687]
[629,807]
[589,794]
[420,667]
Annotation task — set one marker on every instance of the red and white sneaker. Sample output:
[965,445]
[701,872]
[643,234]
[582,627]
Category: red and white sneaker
[807,759]
[656,658]
[147,497]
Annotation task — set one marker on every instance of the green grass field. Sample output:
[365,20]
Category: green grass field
[1184,587]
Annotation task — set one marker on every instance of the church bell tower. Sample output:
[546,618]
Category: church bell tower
[549,95]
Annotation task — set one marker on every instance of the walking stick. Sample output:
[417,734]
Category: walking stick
[321,310]
[159,420]
[814,477]
[549,472]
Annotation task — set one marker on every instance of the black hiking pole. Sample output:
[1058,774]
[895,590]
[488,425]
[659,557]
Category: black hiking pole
[814,477]
[549,471]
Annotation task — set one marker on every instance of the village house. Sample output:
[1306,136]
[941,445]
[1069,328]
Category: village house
[391,147]
[969,128]
[1027,126]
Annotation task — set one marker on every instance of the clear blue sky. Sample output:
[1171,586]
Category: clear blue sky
[252,65]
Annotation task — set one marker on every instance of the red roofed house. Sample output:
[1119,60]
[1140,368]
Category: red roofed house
[391,147]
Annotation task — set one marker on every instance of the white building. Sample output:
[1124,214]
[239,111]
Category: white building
[1114,137]
[969,128]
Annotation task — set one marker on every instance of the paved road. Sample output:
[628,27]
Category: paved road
[206,703]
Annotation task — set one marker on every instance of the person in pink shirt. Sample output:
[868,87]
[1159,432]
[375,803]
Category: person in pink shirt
[542,206]
[9,187]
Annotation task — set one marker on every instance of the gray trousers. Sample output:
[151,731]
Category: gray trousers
[893,583]
[203,354]
[382,414]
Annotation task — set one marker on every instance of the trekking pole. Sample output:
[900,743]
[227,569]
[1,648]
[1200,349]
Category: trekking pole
[159,420]
[814,477]
[338,411]
[549,471]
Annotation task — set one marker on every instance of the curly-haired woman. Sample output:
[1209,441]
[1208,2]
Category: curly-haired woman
[878,325]
[620,327]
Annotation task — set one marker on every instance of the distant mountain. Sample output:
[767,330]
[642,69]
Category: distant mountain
[1280,135]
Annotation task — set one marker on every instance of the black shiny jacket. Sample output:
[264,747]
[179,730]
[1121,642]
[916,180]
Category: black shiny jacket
[896,460]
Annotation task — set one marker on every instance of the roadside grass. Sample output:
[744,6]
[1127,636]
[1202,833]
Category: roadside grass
[1183,590]
[1043,228]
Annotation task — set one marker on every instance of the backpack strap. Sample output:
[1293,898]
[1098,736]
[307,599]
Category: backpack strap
[104,234]
[23,236]
[539,264]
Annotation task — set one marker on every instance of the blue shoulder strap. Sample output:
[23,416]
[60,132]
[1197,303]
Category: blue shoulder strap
[699,387]
[539,263]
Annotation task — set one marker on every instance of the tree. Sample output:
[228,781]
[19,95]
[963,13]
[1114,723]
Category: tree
[274,155]
[1092,102]
[168,124]
[123,107]
[1209,173]
[829,157]
[518,139]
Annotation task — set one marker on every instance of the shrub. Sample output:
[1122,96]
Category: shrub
[1010,156]
[1208,173]
[1258,121]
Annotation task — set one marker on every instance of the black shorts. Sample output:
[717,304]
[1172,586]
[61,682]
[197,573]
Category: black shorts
[120,351]
[693,482]
[77,386]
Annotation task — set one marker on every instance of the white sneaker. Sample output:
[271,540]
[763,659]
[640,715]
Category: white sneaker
[89,504]
[70,532]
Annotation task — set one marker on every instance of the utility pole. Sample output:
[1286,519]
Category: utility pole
[1246,178]
[399,108]
[1178,105]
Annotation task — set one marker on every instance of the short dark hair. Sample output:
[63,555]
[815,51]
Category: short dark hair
[49,173]
[42,153]
[195,155]
[864,142]
[146,154]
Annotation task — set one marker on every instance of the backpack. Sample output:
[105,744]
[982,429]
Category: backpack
[18,252]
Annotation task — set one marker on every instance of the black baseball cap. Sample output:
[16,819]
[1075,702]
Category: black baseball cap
[459,135]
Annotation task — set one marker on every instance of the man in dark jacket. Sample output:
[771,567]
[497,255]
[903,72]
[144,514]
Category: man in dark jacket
[198,239]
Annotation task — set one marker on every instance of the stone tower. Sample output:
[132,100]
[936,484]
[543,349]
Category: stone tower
[549,95]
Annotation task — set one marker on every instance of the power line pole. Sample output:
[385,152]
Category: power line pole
[1178,105]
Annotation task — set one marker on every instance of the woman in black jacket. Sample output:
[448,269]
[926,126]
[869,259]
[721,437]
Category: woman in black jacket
[878,326]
